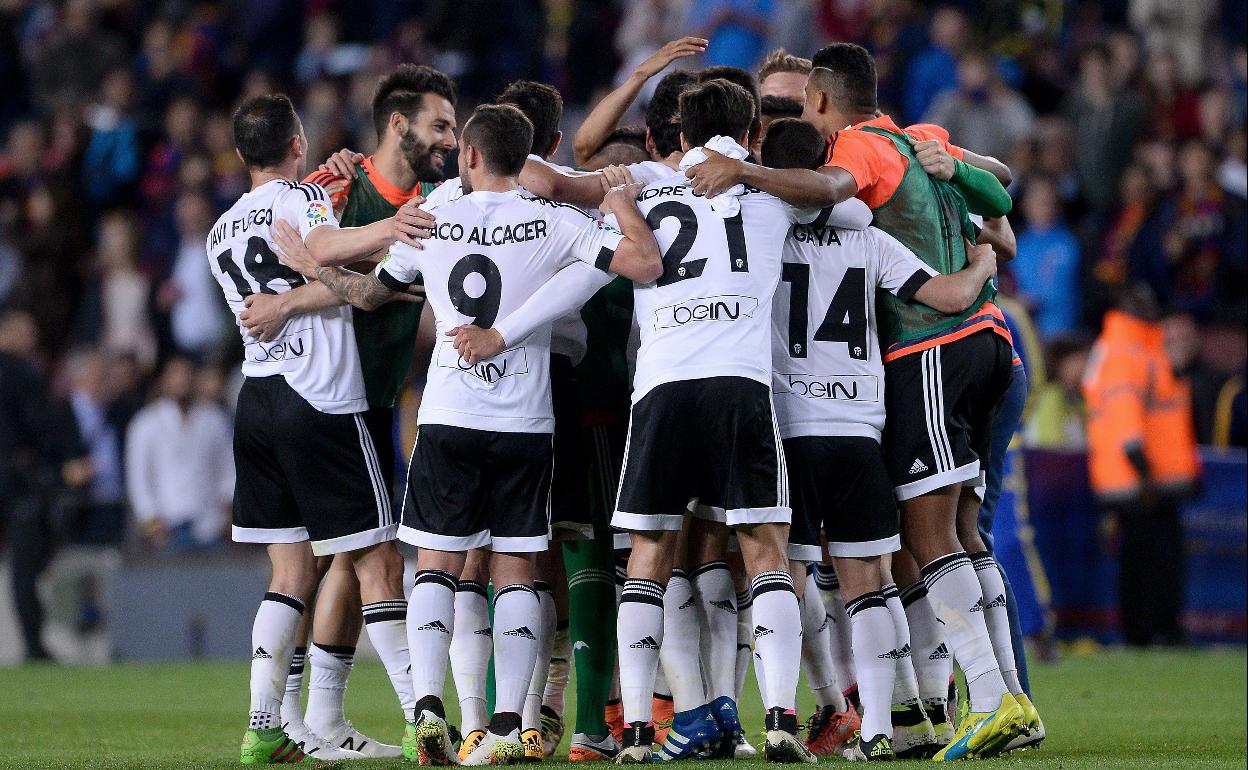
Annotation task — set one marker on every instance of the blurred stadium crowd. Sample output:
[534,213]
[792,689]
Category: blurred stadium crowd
[117,156]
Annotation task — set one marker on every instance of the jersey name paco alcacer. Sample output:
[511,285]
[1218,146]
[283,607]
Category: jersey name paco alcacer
[709,315]
[316,352]
[828,377]
[489,253]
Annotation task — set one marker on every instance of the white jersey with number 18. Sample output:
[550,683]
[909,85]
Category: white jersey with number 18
[828,377]
[315,352]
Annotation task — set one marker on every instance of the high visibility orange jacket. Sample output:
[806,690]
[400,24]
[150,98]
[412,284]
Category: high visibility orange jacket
[1137,409]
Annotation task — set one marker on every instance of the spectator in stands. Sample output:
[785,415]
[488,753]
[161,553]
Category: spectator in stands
[1194,221]
[935,69]
[191,295]
[737,29]
[117,315]
[111,164]
[1107,117]
[180,466]
[983,112]
[69,67]
[101,518]
[1047,268]
[1058,415]
[1142,462]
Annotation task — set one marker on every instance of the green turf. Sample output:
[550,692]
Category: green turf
[1112,710]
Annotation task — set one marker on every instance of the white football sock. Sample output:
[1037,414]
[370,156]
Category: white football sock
[997,617]
[838,624]
[953,589]
[681,649]
[292,706]
[639,630]
[817,650]
[778,637]
[471,646]
[545,632]
[329,667]
[874,643]
[272,645]
[933,663]
[560,665]
[905,685]
[717,616]
[430,626]
[516,612]
[745,640]
[386,624]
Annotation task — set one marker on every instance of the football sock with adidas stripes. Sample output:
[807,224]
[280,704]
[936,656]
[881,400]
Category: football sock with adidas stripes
[930,656]
[430,624]
[386,624]
[591,630]
[905,683]
[777,637]
[544,630]
[681,649]
[272,645]
[840,637]
[717,619]
[516,611]
[817,651]
[955,594]
[639,629]
[874,644]
[329,667]
[471,646]
[996,616]
[292,706]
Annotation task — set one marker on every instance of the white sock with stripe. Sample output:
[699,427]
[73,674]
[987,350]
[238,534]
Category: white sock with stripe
[817,650]
[471,646]
[905,684]
[778,637]
[292,706]
[272,645]
[681,648]
[386,624]
[997,617]
[930,655]
[516,611]
[874,642]
[745,640]
[958,600]
[840,637]
[639,631]
[545,632]
[430,626]
[329,667]
[717,617]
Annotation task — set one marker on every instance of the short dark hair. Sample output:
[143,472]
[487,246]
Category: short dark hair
[715,108]
[846,73]
[781,107]
[542,105]
[793,143]
[503,136]
[263,126]
[661,111]
[403,91]
[781,60]
[631,135]
[742,78]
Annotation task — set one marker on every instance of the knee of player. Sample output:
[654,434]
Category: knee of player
[379,566]
[294,572]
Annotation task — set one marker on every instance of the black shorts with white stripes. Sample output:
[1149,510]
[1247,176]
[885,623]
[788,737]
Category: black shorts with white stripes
[714,439]
[303,474]
[940,404]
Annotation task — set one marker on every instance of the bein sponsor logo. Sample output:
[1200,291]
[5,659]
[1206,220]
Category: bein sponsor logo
[288,348]
[726,307]
[509,363]
[831,387]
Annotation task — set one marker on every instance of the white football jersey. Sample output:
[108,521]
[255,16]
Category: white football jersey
[829,375]
[315,352]
[489,253]
[709,315]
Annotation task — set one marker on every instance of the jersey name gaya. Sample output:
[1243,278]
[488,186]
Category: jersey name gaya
[489,252]
[316,352]
[709,314]
[828,377]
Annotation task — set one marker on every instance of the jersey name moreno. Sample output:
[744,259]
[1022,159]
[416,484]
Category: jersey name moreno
[828,375]
[489,253]
[315,352]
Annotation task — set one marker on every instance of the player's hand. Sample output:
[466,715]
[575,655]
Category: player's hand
[676,49]
[624,195]
[291,250]
[413,224]
[983,257]
[934,159]
[476,344]
[343,163]
[616,175]
[715,174]
[265,315]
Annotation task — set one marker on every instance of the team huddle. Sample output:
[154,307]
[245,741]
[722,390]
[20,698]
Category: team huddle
[730,382]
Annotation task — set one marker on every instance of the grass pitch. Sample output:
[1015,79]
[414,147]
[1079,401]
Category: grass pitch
[1112,710]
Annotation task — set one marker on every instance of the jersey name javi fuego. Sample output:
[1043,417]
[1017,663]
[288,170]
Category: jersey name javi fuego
[488,253]
[316,352]
[828,377]
[709,314]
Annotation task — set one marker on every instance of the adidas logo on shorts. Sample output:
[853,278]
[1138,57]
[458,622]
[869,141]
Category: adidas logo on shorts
[434,625]
[522,631]
[261,653]
[940,652]
[725,605]
[918,467]
[645,643]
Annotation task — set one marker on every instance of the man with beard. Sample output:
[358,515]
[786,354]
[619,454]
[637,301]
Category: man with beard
[414,114]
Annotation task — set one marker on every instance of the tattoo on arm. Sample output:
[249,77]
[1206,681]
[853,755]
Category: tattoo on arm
[363,291]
